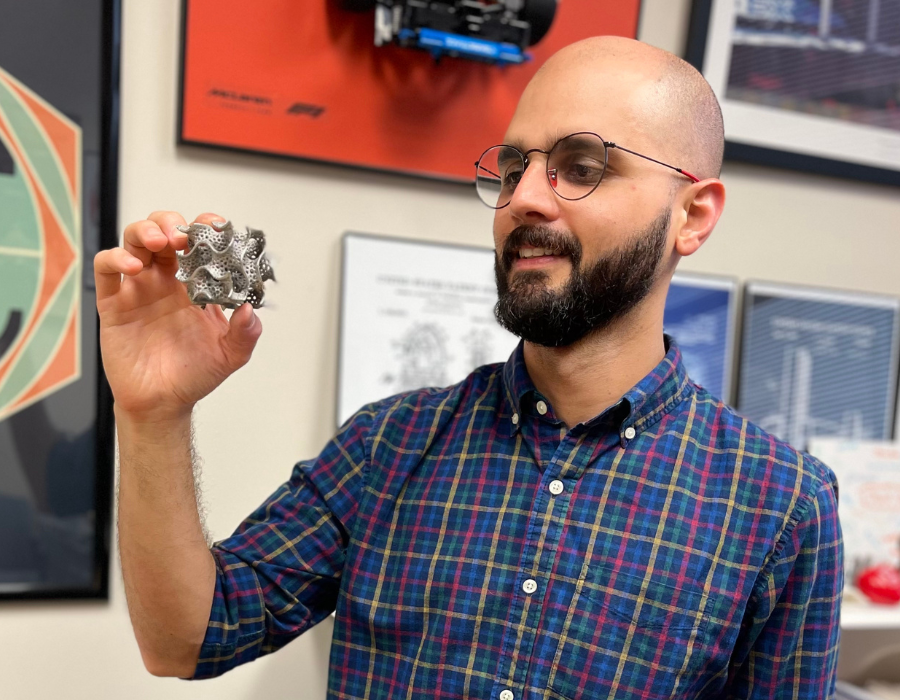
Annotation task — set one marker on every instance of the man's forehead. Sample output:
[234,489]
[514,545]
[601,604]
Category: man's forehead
[543,140]
[541,129]
[612,105]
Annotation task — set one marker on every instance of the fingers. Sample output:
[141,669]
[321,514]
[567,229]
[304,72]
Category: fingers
[155,237]
[143,238]
[209,219]
[244,329]
[244,320]
[167,222]
[109,266]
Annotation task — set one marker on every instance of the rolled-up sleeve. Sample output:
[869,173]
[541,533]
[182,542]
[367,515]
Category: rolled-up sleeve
[279,574]
[791,634]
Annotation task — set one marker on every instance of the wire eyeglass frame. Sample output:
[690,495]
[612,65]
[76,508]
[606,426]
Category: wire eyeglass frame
[552,173]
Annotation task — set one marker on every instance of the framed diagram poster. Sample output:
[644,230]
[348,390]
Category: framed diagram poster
[58,159]
[304,79]
[414,315]
[701,314]
[805,84]
[819,363]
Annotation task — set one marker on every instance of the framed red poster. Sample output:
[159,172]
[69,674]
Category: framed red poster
[304,79]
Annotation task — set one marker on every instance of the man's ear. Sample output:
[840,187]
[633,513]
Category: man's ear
[703,204]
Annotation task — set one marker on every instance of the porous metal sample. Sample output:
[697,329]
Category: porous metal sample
[224,266]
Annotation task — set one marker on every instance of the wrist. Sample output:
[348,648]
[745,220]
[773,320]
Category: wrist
[137,423]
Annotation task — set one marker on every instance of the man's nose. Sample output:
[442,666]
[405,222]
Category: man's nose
[534,198]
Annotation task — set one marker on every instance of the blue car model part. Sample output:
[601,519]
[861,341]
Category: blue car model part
[441,43]
[493,31]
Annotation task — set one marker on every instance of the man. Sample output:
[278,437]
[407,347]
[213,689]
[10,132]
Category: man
[579,522]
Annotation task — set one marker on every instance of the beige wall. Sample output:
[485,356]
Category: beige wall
[778,226]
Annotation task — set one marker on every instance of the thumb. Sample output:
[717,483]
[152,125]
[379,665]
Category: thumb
[244,329]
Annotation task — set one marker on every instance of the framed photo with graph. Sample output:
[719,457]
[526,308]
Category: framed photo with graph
[701,315]
[805,84]
[58,172]
[819,362]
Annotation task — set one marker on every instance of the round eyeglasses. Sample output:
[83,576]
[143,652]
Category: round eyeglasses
[575,167]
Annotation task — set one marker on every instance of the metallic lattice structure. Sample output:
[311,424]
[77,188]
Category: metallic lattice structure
[223,266]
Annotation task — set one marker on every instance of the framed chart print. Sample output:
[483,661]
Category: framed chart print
[58,155]
[304,79]
[819,363]
[701,315]
[805,84]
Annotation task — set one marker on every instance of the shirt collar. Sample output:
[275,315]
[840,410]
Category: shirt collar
[642,406]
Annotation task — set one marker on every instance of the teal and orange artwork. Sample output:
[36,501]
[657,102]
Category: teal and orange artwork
[40,247]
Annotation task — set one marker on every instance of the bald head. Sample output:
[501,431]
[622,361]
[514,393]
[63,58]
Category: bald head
[649,94]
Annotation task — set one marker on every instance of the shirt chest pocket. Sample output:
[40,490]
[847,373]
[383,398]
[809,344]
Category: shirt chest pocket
[627,636]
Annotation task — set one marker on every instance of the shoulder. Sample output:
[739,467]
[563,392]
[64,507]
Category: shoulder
[768,466]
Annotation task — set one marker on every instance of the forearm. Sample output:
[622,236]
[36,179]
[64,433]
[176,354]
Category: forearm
[168,569]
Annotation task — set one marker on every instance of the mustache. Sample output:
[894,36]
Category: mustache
[540,237]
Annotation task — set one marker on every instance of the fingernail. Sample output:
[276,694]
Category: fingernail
[251,320]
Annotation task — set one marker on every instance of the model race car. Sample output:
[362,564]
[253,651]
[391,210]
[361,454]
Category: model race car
[494,31]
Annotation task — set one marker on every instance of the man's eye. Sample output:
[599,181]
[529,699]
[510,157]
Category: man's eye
[511,179]
[583,171]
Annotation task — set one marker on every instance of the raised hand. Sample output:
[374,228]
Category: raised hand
[161,353]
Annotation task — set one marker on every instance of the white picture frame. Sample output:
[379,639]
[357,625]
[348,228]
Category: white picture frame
[777,120]
[413,314]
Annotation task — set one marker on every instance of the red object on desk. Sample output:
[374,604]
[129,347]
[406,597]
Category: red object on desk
[880,584]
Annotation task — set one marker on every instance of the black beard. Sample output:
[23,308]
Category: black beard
[590,300]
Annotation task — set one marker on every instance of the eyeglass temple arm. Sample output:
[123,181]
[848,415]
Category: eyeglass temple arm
[610,144]
[481,167]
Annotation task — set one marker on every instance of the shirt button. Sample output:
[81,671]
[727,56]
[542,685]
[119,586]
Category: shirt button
[541,407]
[507,695]
[556,487]
[515,418]
[530,586]
[629,433]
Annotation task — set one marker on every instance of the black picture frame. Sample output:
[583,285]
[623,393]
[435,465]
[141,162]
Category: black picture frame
[785,155]
[205,101]
[79,79]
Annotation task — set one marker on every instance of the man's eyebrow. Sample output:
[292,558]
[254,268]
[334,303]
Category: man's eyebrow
[546,146]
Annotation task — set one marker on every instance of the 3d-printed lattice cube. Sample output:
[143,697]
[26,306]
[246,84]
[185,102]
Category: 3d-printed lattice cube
[224,266]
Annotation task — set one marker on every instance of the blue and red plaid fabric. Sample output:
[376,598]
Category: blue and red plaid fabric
[470,544]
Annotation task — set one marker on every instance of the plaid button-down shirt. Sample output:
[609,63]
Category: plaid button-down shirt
[473,547]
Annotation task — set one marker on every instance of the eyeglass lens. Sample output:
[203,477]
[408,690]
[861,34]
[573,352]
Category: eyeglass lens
[575,166]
